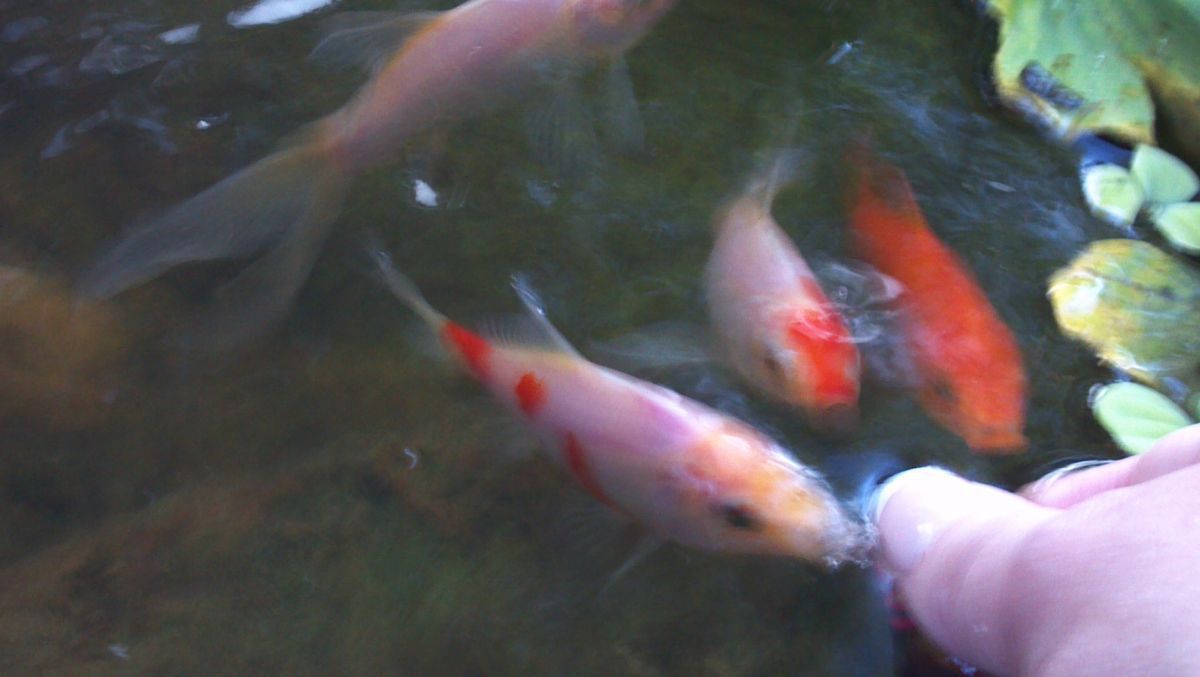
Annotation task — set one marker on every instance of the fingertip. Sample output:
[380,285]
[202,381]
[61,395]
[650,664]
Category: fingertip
[911,509]
[951,543]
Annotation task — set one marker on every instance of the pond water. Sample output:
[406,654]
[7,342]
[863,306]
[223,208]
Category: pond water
[333,498]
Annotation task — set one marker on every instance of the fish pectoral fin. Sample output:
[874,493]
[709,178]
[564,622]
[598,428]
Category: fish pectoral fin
[532,330]
[646,546]
[663,345]
[560,130]
[367,38]
[622,118]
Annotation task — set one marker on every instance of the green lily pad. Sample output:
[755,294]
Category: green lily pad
[1136,416]
[1091,65]
[1136,306]
[1164,177]
[1113,194]
[1180,224]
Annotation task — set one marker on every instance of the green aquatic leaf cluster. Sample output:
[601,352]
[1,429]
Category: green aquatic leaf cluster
[1139,309]
[1136,416]
[1135,305]
[1113,67]
[1157,182]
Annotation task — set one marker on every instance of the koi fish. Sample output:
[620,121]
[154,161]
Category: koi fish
[430,69]
[969,369]
[776,326]
[682,470]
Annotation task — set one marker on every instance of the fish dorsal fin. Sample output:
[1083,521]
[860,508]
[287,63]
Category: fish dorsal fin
[367,38]
[532,330]
[401,287]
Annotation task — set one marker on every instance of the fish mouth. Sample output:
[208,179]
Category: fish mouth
[845,541]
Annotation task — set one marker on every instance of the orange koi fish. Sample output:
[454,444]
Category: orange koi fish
[776,326]
[430,69]
[682,470]
[970,373]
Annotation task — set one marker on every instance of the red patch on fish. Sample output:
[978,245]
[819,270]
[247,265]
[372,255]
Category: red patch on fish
[821,334]
[577,462]
[531,393]
[471,347]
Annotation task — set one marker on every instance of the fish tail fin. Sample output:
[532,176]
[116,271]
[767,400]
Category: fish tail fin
[780,168]
[239,216]
[878,185]
[400,285]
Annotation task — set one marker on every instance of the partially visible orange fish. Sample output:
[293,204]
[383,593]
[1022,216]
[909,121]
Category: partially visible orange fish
[971,377]
[776,326]
[682,470]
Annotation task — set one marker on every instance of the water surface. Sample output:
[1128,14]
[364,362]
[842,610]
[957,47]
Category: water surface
[333,498]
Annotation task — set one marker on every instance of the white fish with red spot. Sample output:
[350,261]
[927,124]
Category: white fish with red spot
[775,325]
[430,70]
[682,470]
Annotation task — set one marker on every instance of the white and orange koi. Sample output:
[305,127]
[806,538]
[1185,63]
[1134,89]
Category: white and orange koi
[430,70]
[775,324]
[684,471]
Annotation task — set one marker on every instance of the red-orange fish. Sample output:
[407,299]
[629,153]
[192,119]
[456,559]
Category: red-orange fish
[969,366]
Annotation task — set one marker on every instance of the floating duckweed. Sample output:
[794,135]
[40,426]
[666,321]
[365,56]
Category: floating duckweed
[1112,193]
[1180,224]
[1136,416]
[1164,177]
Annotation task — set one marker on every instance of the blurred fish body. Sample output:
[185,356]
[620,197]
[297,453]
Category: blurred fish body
[969,369]
[430,69]
[682,470]
[775,324]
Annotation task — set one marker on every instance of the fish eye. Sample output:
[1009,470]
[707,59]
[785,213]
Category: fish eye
[739,516]
[772,364]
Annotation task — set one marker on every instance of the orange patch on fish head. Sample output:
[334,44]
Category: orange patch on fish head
[745,495]
[531,393]
[612,26]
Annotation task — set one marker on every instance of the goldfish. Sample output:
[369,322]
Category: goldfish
[430,69]
[684,471]
[970,376]
[775,324]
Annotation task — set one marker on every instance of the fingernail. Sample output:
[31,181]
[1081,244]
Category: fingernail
[911,510]
[1050,479]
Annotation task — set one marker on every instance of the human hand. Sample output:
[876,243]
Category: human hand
[1095,572]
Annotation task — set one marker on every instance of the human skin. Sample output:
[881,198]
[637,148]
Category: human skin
[1095,572]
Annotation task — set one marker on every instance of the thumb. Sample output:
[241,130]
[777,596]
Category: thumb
[951,544]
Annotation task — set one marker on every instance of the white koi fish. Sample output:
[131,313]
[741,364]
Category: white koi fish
[684,471]
[774,323]
[430,69]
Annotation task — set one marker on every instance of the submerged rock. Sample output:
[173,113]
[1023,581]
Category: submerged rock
[56,353]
